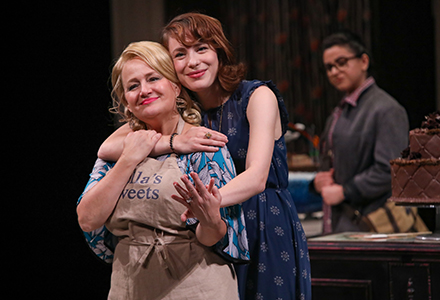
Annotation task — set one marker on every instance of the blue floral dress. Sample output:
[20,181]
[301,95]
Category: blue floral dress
[280,264]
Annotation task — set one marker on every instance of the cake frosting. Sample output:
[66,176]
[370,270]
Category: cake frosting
[415,177]
[426,142]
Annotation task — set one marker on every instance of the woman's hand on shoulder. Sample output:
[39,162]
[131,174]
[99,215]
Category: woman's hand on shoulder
[199,139]
[138,145]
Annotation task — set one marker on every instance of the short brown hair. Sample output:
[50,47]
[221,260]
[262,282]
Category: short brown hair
[350,40]
[205,29]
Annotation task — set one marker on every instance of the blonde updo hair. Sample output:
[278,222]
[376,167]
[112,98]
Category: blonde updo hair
[156,57]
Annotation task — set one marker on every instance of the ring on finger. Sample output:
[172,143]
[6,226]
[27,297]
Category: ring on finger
[208,135]
[189,200]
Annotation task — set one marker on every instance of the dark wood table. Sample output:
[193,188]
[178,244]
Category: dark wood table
[387,269]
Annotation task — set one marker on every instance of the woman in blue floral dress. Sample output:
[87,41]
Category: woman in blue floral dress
[253,117]
[280,267]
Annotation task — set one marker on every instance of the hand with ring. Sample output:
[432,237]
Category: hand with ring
[199,139]
[202,202]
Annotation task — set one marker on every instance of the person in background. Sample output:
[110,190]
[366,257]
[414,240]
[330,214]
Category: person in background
[253,117]
[365,131]
[159,255]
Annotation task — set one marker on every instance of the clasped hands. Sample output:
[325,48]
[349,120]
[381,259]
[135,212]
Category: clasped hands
[202,202]
[332,193]
[205,200]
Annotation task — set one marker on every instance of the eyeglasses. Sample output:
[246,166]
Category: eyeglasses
[340,64]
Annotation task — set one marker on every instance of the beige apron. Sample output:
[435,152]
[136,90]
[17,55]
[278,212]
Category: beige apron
[157,257]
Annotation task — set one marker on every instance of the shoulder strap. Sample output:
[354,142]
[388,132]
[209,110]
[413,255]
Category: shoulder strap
[180,125]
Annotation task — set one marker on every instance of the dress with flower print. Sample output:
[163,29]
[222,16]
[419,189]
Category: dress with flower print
[280,265]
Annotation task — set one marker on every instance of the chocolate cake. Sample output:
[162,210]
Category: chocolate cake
[415,177]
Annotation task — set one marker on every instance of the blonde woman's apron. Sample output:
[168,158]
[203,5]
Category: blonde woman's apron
[157,257]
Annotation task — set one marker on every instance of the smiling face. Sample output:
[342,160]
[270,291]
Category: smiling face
[196,66]
[149,95]
[348,75]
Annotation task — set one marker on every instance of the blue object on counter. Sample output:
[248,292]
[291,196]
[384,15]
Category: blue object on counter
[298,187]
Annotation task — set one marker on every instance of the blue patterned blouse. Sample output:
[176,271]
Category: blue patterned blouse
[218,165]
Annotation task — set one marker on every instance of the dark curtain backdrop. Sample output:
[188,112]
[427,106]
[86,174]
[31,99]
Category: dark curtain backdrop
[280,40]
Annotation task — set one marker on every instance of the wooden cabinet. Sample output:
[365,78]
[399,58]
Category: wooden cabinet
[374,270]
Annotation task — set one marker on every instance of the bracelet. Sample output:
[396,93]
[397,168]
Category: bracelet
[171,142]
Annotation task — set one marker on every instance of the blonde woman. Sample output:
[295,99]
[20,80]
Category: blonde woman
[158,255]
